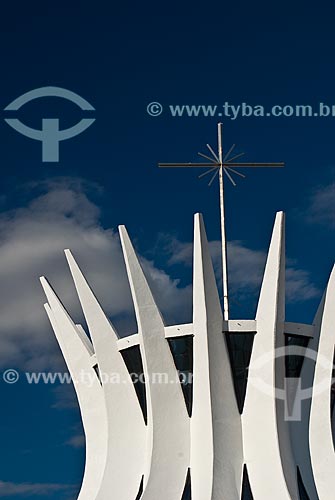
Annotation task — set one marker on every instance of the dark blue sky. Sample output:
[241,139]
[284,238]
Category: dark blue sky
[120,58]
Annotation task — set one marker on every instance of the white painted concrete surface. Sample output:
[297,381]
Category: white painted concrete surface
[216,441]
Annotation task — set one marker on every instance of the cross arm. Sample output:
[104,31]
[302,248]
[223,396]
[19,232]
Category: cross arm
[226,164]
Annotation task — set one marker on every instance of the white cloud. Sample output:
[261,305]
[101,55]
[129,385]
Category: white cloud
[32,240]
[28,489]
[77,441]
[299,287]
[246,267]
[321,206]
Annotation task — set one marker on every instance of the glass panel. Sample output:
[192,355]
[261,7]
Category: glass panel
[293,362]
[187,495]
[302,490]
[239,348]
[246,489]
[332,402]
[182,352]
[140,491]
[96,369]
[133,360]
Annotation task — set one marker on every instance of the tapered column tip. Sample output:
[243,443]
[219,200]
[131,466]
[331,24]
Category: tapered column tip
[198,217]
[122,230]
[280,219]
[124,236]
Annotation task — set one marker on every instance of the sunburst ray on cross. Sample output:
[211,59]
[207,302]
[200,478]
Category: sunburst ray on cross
[220,164]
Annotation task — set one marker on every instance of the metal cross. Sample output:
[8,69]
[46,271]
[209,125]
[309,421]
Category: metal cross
[221,165]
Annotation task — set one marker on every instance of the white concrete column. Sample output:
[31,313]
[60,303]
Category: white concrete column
[168,446]
[78,356]
[267,449]
[320,430]
[216,436]
[126,437]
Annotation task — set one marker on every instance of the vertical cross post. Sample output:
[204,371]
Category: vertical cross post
[223,229]
[222,165]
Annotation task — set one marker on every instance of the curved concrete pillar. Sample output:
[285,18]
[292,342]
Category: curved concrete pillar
[168,421]
[267,449]
[216,435]
[320,431]
[300,428]
[126,436]
[216,441]
[78,354]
